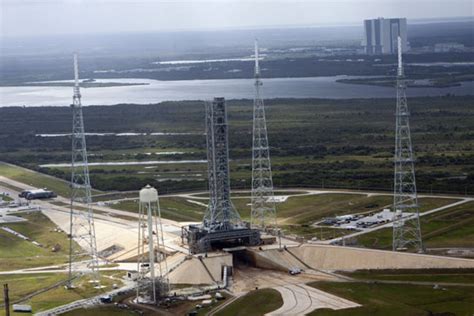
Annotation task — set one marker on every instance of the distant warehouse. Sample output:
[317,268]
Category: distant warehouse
[381,35]
[37,194]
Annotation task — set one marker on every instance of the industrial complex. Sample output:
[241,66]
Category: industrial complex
[216,261]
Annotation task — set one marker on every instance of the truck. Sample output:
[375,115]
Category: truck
[37,194]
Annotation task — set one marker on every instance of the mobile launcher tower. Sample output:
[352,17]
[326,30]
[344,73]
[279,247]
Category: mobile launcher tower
[222,225]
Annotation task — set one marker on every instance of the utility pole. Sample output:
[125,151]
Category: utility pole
[263,211]
[406,218]
[81,223]
[6,299]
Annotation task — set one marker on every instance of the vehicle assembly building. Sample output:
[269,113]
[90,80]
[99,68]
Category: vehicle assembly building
[222,225]
[381,35]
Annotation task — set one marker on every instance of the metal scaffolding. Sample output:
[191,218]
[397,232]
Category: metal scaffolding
[263,212]
[221,224]
[82,241]
[406,219]
[221,213]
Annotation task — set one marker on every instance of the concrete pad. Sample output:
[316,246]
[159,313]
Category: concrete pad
[7,219]
[193,271]
[325,257]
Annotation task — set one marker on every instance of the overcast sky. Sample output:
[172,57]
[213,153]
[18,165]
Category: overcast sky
[40,17]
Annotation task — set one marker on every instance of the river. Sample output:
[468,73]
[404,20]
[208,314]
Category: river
[156,91]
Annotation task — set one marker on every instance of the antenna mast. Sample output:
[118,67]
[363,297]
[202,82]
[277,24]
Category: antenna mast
[82,241]
[406,219]
[263,212]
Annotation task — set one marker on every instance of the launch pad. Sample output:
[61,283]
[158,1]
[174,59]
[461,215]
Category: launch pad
[200,240]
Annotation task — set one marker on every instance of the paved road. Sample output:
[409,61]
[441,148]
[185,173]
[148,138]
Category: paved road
[301,299]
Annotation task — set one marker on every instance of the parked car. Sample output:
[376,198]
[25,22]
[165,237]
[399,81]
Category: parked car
[294,271]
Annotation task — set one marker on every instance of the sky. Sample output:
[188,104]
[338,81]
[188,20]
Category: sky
[52,17]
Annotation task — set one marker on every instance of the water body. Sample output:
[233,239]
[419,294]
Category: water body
[125,163]
[156,91]
[118,134]
[204,61]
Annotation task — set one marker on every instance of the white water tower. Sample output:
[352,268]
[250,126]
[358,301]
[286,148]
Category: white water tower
[152,269]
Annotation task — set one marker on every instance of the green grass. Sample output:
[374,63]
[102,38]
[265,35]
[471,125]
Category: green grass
[306,209]
[21,285]
[293,214]
[103,311]
[427,204]
[308,232]
[398,299]
[17,253]
[296,210]
[452,227]
[60,295]
[36,179]
[423,275]
[254,303]
[173,208]
[5,197]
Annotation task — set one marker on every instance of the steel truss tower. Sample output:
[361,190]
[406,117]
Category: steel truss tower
[221,214]
[263,212]
[150,287]
[82,242]
[406,220]
[221,225]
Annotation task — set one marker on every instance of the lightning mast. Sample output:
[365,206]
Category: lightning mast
[81,229]
[263,212]
[406,218]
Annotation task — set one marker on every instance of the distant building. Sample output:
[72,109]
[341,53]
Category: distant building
[381,35]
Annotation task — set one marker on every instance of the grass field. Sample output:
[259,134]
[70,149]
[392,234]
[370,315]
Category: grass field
[35,179]
[5,198]
[296,210]
[173,208]
[24,284]
[424,275]
[103,311]
[452,227]
[83,289]
[17,253]
[254,303]
[295,215]
[308,232]
[399,299]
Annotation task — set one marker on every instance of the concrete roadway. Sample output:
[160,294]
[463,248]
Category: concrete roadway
[301,299]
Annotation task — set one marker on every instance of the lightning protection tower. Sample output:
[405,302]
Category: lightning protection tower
[150,286]
[406,220]
[263,212]
[82,242]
